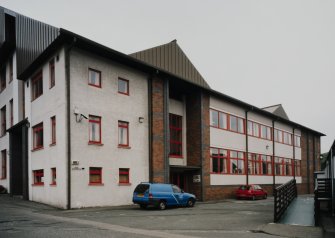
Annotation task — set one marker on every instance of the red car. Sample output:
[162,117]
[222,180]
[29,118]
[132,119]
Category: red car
[250,191]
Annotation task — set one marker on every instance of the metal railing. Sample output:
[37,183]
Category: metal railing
[322,192]
[283,196]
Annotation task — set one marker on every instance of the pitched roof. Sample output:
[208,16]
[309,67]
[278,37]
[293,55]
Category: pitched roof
[277,110]
[171,58]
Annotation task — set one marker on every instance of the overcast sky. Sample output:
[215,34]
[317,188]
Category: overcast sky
[262,52]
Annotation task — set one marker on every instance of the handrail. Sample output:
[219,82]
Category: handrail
[322,192]
[283,196]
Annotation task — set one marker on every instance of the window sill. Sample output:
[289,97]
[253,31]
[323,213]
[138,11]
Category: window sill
[127,94]
[96,184]
[124,147]
[52,144]
[176,156]
[124,184]
[37,184]
[53,185]
[36,149]
[94,85]
[95,143]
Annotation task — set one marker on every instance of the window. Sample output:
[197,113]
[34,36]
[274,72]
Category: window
[38,136]
[260,131]
[227,122]
[38,177]
[2,78]
[288,167]
[37,85]
[233,123]
[53,130]
[214,117]
[123,133]
[223,120]
[10,69]
[297,168]
[279,166]
[52,72]
[95,175]
[94,78]
[3,164]
[53,176]
[254,164]
[237,162]
[176,135]
[123,86]
[94,129]
[3,121]
[124,176]
[255,129]
[287,138]
[219,161]
[11,112]
[297,141]
[283,137]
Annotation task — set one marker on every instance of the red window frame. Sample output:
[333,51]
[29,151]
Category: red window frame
[228,158]
[3,164]
[283,135]
[93,172]
[2,78]
[252,131]
[52,73]
[53,130]
[262,162]
[37,86]
[124,172]
[225,124]
[222,161]
[3,121]
[176,135]
[90,70]
[38,136]
[123,125]
[10,69]
[127,86]
[237,159]
[11,112]
[288,167]
[53,176]
[97,121]
[38,175]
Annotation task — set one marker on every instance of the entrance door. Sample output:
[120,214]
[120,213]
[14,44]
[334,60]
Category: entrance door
[179,179]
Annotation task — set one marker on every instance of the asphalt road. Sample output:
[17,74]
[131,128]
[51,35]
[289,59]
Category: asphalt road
[231,218]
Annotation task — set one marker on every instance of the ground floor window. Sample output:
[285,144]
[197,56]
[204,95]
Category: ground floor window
[259,164]
[227,161]
[3,164]
[53,176]
[124,176]
[38,177]
[95,175]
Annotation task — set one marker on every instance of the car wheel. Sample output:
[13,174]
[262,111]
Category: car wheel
[253,197]
[162,205]
[143,206]
[190,202]
[265,196]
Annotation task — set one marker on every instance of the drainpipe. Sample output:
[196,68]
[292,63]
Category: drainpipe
[247,145]
[68,120]
[150,127]
[273,157]
[166,132]
[202,145]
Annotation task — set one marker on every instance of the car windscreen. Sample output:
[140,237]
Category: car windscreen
[141,188]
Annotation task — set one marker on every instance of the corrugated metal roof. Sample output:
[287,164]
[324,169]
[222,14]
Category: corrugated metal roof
[170,57]
[277,110]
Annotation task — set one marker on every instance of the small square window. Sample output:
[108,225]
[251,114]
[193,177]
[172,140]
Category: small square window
[95,175]
[123,175]
[123,86]
[94,78]
[38,177]
[53,176]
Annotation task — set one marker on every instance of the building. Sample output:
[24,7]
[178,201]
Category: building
[90,123]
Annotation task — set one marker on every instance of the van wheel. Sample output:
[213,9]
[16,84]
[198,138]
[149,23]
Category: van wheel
[190,202]
[253,197]
[162,205]
[143,206]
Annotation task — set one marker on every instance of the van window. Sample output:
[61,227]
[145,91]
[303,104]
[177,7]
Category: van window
[141,188]
[176,189]
[166,188]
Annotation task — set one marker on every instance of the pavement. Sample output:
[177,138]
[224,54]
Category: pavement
[228,218]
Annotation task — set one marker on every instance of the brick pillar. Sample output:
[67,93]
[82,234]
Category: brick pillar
[205,145]
[158,132]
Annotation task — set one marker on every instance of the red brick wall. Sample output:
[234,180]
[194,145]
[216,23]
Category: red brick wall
[158,165]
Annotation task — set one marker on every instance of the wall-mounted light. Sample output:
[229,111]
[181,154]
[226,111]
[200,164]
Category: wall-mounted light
[267,147]
[141,119]
[79,116]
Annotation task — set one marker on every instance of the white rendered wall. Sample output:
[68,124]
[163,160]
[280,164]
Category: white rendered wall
[221,179]
[111,106]
[179,108]
[51,103]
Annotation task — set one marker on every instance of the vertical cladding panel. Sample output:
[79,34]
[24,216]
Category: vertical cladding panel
[32,37]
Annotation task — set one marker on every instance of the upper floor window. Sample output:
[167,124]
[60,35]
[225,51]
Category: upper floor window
[2,78]
[3,121]
[297,141]
[3,164]
[37,85]
[38,177]
[52,72]
[176,130]
[226,121]
[261,131]
[38,136]
[94,78]
[53,176]
[283,137]
[11,112]
[123,86]
[123,133]
[95,175]
[11,69]
[53,130]
[124,176]
[94,129]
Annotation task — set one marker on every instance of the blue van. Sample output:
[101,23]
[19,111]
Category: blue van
[161,195]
